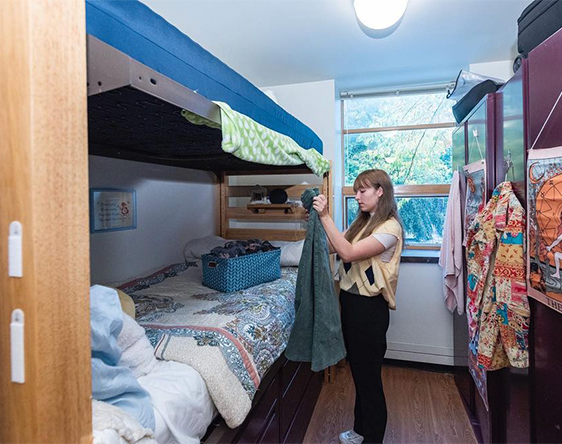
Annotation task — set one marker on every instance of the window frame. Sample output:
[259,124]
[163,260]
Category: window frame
[423,190]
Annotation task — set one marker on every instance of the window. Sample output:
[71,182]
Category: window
[410,137]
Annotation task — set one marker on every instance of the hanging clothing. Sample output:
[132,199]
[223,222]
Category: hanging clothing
[317,333]
[376,275]
[451,255]
[497,305]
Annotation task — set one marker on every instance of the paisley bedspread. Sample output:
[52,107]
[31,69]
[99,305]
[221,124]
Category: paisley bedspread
[231,339]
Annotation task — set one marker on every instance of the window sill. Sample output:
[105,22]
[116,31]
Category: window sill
[420,256]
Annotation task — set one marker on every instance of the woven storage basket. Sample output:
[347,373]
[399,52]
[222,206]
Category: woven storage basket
[241,272]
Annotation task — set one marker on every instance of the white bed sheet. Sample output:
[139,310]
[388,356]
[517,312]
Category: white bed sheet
[182,406]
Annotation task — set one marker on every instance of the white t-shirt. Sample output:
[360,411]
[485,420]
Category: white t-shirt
[389,242]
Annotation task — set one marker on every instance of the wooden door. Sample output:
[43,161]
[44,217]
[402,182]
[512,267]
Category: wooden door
[44,185]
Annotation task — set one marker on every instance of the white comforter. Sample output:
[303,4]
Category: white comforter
[112,425]
[183,408]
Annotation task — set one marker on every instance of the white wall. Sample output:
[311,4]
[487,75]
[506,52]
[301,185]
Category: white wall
[313,104]
[502,69]
[421,327]
[174,205]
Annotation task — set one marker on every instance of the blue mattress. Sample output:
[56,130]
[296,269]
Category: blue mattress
[133,28]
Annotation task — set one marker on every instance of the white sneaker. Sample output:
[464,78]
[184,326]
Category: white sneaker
[350,437]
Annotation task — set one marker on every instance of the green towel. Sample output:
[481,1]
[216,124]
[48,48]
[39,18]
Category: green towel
[248,140]
[317,335]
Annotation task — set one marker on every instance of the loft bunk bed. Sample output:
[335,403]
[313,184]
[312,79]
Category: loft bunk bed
[143,72]
[144,76]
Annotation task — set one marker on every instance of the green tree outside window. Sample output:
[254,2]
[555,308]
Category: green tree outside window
[410,156]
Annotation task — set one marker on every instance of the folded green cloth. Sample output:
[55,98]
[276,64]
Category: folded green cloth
[248,140]
[317,334]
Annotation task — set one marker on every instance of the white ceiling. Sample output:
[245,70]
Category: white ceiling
[278,42]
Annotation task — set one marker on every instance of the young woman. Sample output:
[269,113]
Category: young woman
[370,253]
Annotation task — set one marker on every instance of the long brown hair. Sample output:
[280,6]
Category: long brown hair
[386,206]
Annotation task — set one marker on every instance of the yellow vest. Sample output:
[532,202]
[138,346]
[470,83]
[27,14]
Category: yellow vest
[372,276]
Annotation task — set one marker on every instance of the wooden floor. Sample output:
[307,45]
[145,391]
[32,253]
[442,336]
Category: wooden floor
[423,407]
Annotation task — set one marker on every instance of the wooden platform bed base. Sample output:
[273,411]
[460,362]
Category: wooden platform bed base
[282,408]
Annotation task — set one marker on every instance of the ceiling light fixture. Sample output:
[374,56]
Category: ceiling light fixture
[379,14]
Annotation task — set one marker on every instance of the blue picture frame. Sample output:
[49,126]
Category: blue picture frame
[112,209]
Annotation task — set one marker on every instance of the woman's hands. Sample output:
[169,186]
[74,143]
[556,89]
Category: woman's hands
[320,204]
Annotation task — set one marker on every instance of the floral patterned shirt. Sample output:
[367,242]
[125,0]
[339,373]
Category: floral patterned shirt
[497,305]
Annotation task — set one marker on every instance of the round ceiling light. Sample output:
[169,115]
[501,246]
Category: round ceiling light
[379,14]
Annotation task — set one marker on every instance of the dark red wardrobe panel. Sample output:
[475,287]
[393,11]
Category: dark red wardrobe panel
[499,125]
[512,384]
[480,138]
[510,134]
[544,88]
[474,140]
[525,405]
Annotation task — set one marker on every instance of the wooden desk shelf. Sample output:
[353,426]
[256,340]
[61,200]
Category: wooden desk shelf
[260,208]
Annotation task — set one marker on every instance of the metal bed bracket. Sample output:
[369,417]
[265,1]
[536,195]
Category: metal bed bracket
[109,69]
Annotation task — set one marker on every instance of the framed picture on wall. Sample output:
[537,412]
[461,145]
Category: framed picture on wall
[112,210]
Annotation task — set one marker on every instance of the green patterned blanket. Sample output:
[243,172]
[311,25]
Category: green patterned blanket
[250,141]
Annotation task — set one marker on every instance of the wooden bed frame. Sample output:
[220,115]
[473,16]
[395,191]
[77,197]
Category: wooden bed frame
[281,409]
[272,214]
[45,187]
[285,400]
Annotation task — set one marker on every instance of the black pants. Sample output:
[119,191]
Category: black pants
[365,322]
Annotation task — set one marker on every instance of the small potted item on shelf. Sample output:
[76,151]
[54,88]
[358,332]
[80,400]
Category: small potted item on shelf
[259,194]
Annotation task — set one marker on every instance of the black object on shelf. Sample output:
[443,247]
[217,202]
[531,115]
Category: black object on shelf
[278,196]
